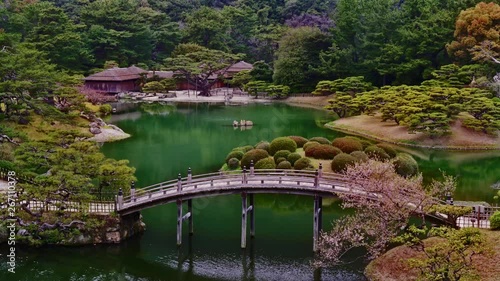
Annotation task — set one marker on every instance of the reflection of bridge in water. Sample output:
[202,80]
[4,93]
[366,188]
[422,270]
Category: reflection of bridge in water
[247,183]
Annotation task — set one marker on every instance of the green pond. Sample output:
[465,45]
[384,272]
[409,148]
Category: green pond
[167,140]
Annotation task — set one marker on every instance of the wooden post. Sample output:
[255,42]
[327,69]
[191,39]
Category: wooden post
[132,191]
[190,175]
[179,183]
[316,179]
[252,216]
[252,168]
[190,210]
[320,215]
[320,171]
[120,199]
[179,222]
[243,220]
[244,179]
[316,227]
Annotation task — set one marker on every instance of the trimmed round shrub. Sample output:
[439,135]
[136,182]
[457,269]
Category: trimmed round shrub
[309,144]
[279,160]
[263,145]
[365,143]
[293,157]
[300,141]
[376,152]
[284,165]
[342,161]
[233,163]
[302,163]
[405,165]
[266,163]
[495,220]
[321,140]
[238,154]
[282,143]
[388,149]
[347,145]
[255,155]
[360,156]
[281,153]
[245,148]
[322,151]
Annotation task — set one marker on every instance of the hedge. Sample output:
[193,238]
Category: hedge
[300,141]
[495,221]
[321,140]
[279,160]
[233,163]
[302,163]
[376,152]
[360,156]
[284,165]
[281,153]
[347,145]
[388,149]
[405,165]
[255,155]
[309,144]
[238,154]
[322,151]
[342,161]
[266,163]
[263,145]
[282,143]
[293,157]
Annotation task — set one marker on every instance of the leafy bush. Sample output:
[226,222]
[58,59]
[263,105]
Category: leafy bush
[388,149]
[263,145]
[245,148]
[293,157]
[302,163]
[309,144]
[51,236]
[266,163]
[321,140]
[365,143]
[342,161]
[322,151]
[105,109]
[347,145]
[285,165]
[376,152]
[255,155]
[233,163]
[279,160]
[6,165]
[405,165]
[238,154]
[495,221]
[360,156]
[281,153]
[300,141]
[282,143]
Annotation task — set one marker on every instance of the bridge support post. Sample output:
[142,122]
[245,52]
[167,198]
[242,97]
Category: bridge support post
[252,216]
[190,210]
[317,221]
[179,222]
[243,220]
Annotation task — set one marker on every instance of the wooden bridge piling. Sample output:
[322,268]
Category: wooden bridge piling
[243,220]
[179,222]
[252,216]
[317,221]
[190,211]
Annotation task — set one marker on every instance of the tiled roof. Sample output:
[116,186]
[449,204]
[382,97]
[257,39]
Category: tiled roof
[239,66]
[161,74]
[117,74]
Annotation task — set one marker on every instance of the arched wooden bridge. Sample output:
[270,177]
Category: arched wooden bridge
[247,183]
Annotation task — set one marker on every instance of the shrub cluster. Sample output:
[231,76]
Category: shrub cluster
[302,163]
[266,163]
[388,149]
[255,155]
[233,163]
[245,148]
[281,153]
[309,144]
[321,140]
[279,160]
[263,145]
[284,165]
[322,151]
[376,152]
[293,157]
[238,154]
[360,156]
[282,143]
[405,165]
[300,141]
[342,161]
[347,145]
[495,220]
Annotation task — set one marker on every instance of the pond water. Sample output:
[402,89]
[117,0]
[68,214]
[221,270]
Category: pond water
[166,140]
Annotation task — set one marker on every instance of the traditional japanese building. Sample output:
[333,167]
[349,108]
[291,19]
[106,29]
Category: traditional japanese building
[116,80]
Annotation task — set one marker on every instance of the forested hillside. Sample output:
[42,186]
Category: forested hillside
[386,41]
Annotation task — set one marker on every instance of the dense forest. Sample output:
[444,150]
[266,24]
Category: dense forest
[389,42]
